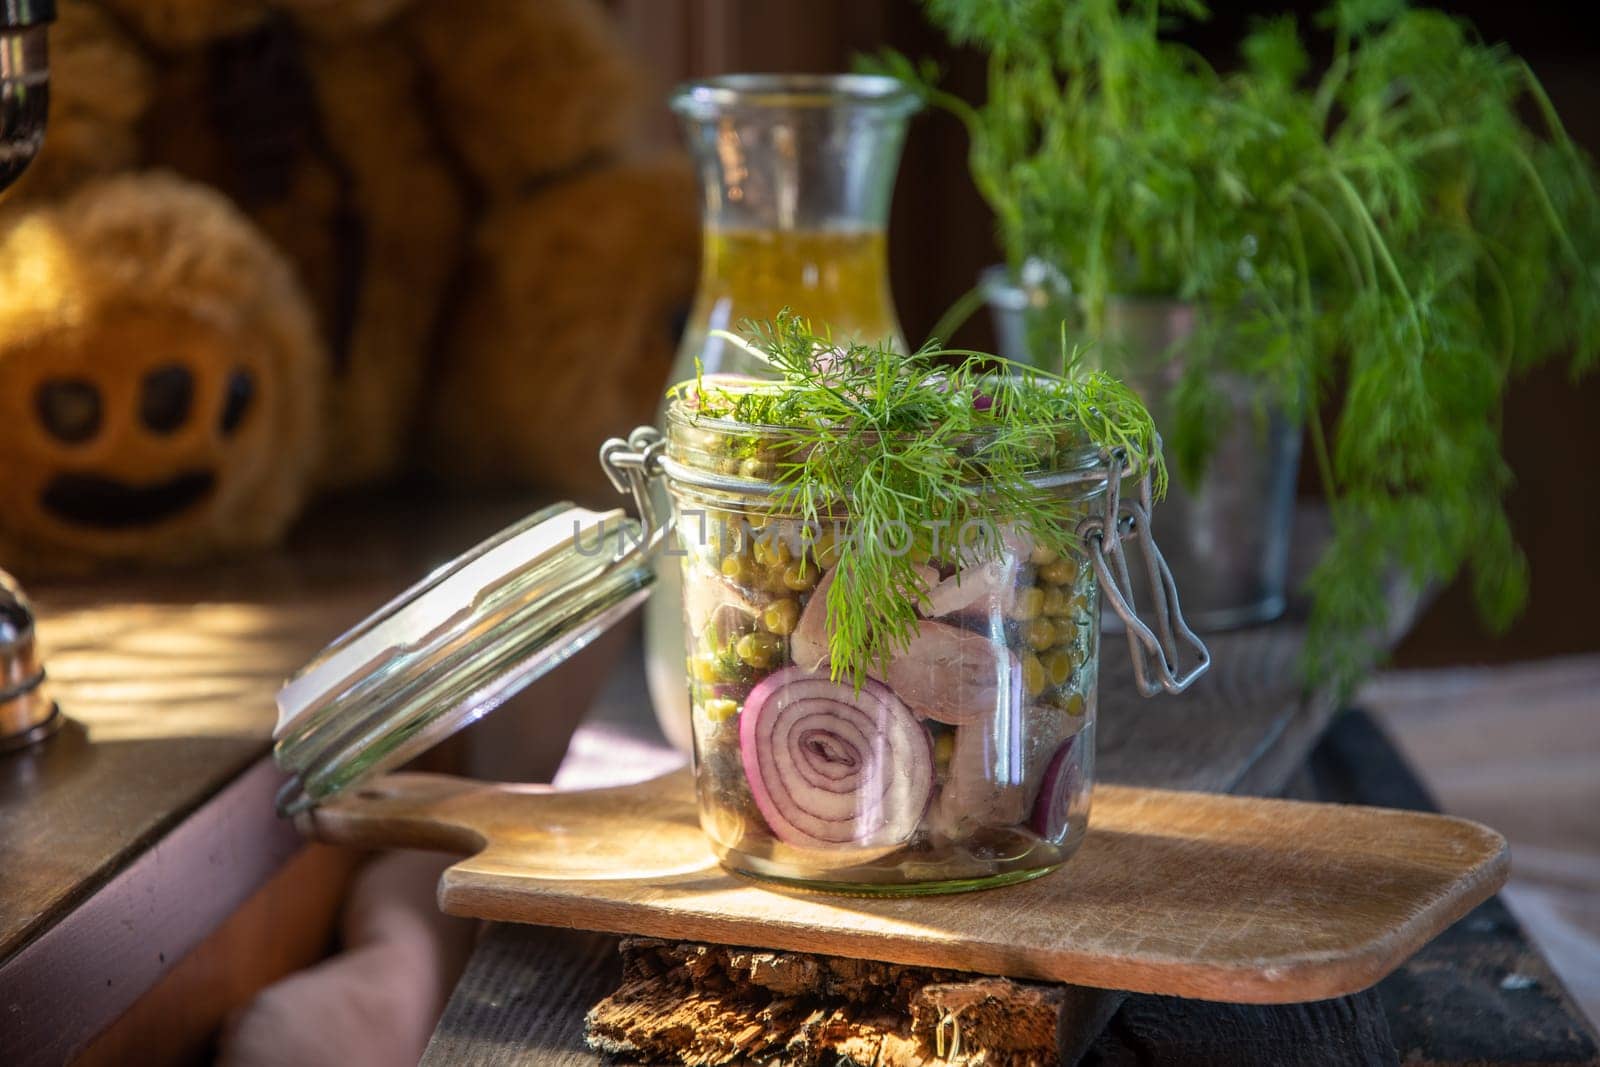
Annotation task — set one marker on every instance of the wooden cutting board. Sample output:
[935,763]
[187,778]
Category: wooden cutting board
[1188,894]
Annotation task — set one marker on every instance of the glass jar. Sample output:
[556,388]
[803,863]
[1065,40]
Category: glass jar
[796,172]
[964,761]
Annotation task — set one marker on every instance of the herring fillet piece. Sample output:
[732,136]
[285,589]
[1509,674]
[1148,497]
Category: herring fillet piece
[954,676]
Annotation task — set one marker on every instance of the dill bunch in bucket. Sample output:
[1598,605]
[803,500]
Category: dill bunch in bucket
[1390,240]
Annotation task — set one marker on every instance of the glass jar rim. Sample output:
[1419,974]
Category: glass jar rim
[680,412]
[1087,464]
[711,96]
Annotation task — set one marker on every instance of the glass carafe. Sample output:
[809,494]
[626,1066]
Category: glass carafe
[796,173]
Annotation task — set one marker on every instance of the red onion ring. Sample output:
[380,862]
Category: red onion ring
[834,770]
[1054,802]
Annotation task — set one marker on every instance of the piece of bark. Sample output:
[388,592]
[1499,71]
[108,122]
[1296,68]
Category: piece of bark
[711,1005]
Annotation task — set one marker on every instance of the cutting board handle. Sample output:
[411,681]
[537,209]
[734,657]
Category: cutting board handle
[432,812]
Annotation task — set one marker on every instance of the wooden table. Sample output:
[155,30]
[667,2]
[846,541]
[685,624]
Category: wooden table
[1247,728]
[134,835]
[1478,994]
[130,842]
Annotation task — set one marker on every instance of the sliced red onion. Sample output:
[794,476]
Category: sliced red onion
[846,774]
[955,676]
[1047,727]
[1061,778]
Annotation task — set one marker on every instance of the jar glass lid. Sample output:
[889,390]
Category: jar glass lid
[455,646]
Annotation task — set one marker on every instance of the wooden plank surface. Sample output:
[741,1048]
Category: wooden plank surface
[127,838]
[1250,722]
[1479,993]
[1197,895]
[287,925]
[166,705]
[1450,1004]
[167,680]
[1517,747]
[71,980]
[1241,728]
[524,997]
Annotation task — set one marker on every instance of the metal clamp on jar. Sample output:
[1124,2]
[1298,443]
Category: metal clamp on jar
[27,714]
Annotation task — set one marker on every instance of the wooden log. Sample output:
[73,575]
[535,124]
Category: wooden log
[705,1005]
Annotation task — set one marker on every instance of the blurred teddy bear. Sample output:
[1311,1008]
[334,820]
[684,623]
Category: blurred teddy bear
[161,381]
[440,187]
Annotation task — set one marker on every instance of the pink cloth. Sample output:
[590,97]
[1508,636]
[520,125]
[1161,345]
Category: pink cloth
[375,1004]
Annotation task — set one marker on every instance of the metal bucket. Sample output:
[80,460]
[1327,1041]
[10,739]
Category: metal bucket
[1226,538]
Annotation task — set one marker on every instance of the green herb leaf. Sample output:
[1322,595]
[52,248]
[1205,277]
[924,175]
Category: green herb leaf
[1392,240]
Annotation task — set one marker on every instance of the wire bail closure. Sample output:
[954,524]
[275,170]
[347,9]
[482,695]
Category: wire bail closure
[1153,652]
[631,465]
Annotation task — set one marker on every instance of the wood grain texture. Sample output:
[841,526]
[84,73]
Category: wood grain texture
[1248,724]
[123,840]
[1228,733]
[1480,992]
[522,1002]
[167,680]
[287,925]
[1450,1005]
[64,986]
[1196,895]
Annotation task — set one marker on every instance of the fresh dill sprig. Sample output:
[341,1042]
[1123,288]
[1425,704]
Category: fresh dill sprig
[907,450]
[1392,239]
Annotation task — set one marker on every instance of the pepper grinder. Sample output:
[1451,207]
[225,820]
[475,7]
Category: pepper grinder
[27,714]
